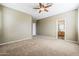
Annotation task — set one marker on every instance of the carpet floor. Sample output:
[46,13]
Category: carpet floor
[40,46]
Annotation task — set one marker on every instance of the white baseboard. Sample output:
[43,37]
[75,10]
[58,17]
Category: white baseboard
[78,42]
[72,41]
[10,42]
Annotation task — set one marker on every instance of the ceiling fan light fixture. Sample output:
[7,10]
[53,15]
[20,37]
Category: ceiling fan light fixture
[42,9]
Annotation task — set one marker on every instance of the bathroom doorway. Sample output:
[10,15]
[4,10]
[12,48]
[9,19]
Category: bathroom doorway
[61,29]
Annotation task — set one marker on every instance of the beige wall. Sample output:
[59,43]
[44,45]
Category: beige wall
[33,21]
[0,22]
[16,25]
[78,25]
[71,25]
[47,26]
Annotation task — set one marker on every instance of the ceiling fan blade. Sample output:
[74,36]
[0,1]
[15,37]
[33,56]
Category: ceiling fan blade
[46,10]
[40,4]
[36,8]
[48,6]
[40,11]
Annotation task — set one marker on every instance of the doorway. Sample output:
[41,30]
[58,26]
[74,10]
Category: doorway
[34,29]
[61,29]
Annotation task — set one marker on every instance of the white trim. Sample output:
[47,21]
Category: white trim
[56,29]
[72,41]
[13,41]
[77,42]
[28,39]
[65,29]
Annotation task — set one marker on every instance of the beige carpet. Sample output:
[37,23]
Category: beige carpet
[40,46]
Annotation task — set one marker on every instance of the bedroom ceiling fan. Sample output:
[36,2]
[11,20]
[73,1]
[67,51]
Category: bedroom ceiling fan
[43,7]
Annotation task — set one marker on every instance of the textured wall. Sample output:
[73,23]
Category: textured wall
[47,26]
[16,25]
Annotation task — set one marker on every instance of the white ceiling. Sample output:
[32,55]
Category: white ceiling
[54,10]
